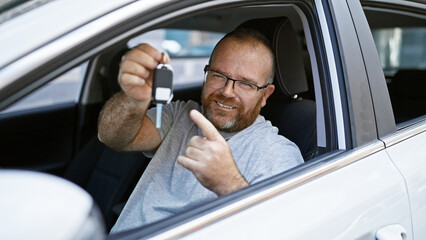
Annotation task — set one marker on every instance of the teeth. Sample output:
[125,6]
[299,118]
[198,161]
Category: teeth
[225,106]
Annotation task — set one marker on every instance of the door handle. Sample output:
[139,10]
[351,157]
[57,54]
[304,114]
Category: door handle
[391,232]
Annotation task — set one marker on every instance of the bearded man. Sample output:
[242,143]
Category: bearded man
[200,152]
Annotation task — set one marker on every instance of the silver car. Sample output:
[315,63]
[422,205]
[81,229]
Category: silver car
[350,92]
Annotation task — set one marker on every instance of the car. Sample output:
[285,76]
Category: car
[350,92]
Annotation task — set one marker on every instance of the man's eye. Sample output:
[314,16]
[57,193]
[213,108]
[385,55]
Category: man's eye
[246,85]
[218,76]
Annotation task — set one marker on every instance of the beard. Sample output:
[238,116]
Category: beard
[224,120]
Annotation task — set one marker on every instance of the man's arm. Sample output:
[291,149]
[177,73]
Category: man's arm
[122,122]
[124,127]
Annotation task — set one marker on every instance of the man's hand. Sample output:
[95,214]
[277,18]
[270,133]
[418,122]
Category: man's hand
[122,123]
[210,159]
[136,71]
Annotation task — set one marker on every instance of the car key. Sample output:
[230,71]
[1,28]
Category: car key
[162,89]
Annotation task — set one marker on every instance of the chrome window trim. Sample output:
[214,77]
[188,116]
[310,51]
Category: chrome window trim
[323,167]
[340,127]
[30,62]
[405,133]
[408,3]
[394,11]
[320,115]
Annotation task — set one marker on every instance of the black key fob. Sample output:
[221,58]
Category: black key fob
[162,88]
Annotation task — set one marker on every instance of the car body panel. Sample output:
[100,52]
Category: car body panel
[407,150]
[404,142]
[18,30]
[320,208]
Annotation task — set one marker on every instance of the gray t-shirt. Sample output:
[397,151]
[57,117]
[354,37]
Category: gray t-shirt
[166,187]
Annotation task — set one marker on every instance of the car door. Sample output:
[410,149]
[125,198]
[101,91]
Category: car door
[399,30]
[352,192]
[406,149]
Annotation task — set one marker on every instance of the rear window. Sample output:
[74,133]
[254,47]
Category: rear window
[401,48]
[400,39]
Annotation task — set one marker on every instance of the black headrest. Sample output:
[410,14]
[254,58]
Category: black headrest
[290,74]
[410,83]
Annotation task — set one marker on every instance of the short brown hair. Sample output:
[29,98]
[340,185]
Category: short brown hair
[243,34]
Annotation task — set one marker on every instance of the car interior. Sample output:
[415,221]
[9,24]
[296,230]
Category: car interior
[70,129]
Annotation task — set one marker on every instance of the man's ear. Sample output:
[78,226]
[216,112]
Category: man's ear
[268,91]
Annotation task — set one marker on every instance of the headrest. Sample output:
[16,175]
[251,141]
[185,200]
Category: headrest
[290,74]
[410,83]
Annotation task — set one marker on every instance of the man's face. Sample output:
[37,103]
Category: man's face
[230,110]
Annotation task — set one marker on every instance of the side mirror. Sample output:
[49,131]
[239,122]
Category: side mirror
[35,205]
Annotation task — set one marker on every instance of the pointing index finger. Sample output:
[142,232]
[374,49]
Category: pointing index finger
[209,131]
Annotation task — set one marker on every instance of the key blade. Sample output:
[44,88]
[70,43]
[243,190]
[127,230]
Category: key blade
[158,119]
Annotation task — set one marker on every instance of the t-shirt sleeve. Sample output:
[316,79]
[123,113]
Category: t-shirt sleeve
[277,158]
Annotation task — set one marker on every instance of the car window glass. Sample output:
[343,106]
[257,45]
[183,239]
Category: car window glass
[400,40]
[401,48]
[62,89]
[189,50]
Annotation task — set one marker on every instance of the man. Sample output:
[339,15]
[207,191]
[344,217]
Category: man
[201,152]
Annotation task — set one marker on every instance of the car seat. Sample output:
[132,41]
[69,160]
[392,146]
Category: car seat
[294,116]
[107,175]
[408,94]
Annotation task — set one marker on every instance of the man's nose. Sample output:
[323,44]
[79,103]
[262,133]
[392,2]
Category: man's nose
[228,89]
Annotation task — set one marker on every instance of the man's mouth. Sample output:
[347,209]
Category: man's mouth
[224,106]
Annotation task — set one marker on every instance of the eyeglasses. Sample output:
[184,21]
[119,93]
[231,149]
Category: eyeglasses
[218,80]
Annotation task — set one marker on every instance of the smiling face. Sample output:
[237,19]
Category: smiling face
[247,60]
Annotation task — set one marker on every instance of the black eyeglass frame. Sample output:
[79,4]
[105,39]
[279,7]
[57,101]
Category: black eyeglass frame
[206,68]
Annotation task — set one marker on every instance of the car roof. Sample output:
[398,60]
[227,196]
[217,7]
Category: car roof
[34,28]
[50,22]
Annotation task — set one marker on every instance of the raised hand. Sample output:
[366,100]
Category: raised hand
[136,71]
[210,159]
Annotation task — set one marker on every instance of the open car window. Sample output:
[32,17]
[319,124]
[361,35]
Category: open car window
[189,50]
